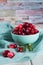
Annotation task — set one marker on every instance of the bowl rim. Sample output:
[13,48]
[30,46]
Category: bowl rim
[26,35]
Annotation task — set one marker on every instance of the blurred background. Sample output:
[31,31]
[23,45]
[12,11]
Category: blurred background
[25,10]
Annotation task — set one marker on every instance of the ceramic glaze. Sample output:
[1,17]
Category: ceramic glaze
[25,39]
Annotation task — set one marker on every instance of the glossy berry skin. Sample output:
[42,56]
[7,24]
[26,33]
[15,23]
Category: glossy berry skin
[19,49]
[4,53]
[12,46]
[25,29]
[25,24]
[32,32]
[16,28]
[15,46]
[20,26]
[36,31]
[10,54]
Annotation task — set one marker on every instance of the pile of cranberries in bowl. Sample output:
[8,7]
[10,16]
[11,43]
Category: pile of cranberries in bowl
[25,33]
[25,29]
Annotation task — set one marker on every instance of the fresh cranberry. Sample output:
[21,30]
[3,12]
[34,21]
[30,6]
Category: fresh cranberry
[12,46]
[20,26]
[19,49]
[16,32]
[27,31]
[16,28]
[4,53]
[30,25]
[10,54]
[36,31]
[25,24]
[15,46]
[29,28]
[32,31]
[20,33]
[24,30]
[23,33]
[33,27]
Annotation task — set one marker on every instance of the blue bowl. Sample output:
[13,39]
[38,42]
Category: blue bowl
[25,39]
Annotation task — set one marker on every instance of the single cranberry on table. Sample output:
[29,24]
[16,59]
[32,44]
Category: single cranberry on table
[10,55]
[12,46]
[19,49]
[4,53]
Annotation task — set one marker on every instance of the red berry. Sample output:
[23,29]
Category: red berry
[16,28]
[19,33]
[12,46]
[20,26]
[25,24]
[23,33]
[27,31]
[33,27]
[15,32]
[5,53]
[32,31]
[10,54]
[24,29]
[29,28]
[36,31]
[19,49]
[30,25]
[15,46]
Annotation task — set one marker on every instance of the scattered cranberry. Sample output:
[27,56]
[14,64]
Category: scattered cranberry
[10,54]
[5,53]
[19,49]
[12,46]
[15,46]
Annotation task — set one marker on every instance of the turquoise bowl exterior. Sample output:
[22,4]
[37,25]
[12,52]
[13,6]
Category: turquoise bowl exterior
[25,39]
